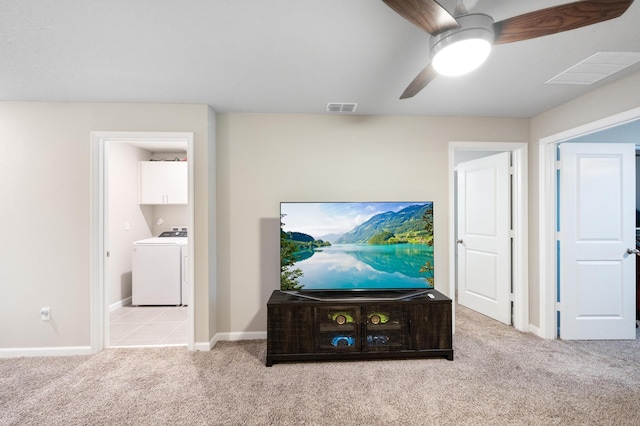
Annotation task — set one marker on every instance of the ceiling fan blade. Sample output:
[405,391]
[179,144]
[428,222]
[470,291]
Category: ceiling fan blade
[420,82]
[427,14]
[557,19]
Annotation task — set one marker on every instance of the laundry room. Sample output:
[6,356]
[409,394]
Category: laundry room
[146,207]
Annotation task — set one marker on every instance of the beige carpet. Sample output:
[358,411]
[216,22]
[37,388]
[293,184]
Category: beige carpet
[499,377]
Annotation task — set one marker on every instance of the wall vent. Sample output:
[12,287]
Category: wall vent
[341,107]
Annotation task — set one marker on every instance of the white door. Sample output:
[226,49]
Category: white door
[484,242]
[597,226]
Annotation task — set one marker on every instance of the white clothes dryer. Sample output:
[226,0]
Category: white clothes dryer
[158,269]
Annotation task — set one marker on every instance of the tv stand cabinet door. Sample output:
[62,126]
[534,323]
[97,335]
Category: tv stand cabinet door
[431,326]
[290,330]
[385,328]
[338,328]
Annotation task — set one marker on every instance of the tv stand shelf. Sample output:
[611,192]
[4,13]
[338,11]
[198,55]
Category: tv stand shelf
[304,329]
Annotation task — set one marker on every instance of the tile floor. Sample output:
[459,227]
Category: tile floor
[148,326]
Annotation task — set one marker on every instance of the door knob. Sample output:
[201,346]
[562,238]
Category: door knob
[632,251]
[459,241]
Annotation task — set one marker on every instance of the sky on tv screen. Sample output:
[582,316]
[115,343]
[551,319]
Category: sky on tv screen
[319,219]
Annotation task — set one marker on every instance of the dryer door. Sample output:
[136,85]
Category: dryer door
[156,275]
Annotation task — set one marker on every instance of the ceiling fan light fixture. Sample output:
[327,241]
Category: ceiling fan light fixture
[461,50]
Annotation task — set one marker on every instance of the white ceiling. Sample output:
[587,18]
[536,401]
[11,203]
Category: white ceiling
[281,56]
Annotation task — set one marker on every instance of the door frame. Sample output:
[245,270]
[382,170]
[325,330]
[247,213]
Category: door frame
[99,308]
[547,212]
[519,203]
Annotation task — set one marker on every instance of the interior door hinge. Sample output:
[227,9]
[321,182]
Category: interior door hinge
[558,307]
[558,165]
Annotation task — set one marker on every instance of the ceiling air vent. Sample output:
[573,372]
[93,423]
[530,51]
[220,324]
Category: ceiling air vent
[596,67]
[341,107]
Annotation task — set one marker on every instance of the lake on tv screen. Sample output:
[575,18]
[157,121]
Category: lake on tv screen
[353,266]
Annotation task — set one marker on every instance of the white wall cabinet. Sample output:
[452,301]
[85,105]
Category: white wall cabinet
[163,182]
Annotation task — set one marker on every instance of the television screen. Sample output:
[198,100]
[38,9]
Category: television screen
[356,246]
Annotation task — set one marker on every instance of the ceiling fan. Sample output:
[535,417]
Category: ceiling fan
[461,41]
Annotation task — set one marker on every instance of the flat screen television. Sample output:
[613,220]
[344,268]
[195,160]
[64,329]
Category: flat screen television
[335,250]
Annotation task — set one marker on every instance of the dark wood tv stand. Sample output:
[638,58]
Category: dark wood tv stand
[303,329]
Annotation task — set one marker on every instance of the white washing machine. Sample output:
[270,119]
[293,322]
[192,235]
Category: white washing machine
[159,270]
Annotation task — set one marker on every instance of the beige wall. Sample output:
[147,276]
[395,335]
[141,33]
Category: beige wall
[608,100]
[45,190]
[265,159]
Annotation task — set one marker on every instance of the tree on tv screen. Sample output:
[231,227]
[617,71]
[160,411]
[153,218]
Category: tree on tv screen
[288,273]
[427,217]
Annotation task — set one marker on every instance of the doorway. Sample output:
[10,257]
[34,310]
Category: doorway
[518,292]
[147,221]
[548,213]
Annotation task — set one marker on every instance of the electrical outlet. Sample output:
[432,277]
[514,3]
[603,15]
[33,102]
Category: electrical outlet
[45,314]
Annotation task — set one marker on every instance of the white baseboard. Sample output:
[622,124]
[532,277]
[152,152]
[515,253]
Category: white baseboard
[203,346]
[241,335]
[535,330]
[120,304]
[230,337]
[86,350]
[52,351]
